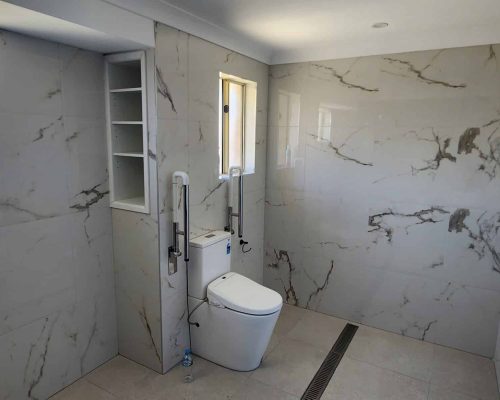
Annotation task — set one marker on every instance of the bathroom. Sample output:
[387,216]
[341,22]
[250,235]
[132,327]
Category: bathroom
[333,189]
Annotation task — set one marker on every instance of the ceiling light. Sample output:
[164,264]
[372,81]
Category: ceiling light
[379,25]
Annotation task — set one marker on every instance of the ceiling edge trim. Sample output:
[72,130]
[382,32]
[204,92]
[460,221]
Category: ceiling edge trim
[161,11]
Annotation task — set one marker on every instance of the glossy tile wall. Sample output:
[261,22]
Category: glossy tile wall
[497,358]
[57,304]
[187,71]
[136,260]
[383,180]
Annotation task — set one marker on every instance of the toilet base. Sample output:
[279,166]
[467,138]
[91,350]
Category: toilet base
[229,338]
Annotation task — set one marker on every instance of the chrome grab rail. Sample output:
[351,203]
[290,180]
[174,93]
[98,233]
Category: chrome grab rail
[230,213]
[174,249]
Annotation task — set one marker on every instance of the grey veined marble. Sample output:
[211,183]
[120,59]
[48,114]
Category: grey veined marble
[57,307]
[382,192]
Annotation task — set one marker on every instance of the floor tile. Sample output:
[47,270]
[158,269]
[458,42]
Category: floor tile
[119,375]
[290,366]
[392,351]
[255,390]
[211,382]
[289,318]
[83,390]
[356,380]
[318,330]
[464,373]
[443,394]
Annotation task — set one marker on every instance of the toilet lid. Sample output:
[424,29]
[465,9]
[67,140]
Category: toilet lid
[241,294]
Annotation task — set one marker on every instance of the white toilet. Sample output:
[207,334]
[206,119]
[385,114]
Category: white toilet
[233,327]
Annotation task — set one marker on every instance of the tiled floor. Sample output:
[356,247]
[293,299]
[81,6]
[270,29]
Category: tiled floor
[377,365]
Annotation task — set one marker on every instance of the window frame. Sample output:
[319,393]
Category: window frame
[225,91]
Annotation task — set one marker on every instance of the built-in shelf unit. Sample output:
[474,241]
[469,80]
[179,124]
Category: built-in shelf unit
[127,131]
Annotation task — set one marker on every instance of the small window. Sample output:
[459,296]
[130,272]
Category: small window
[237,124]
[324,124]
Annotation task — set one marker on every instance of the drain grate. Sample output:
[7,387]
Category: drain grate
[322,377]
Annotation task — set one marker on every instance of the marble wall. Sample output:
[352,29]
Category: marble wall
[187,71]
[497,358]
[383,180]
[57,307]
[136,260]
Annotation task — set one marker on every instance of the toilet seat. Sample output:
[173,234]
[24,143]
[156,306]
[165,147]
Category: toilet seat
[238,293]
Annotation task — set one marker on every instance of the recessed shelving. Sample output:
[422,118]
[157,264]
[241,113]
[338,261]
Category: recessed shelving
[125,90]
[129,154]
[127,131]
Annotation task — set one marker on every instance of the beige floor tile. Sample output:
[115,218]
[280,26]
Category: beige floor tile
[319,330]
[255,390]
[289,317]
[464,373]
[119,375]
[275,340]
[356,380]
[392,351]
[440,394]
[290,366]
[83,390]
[211,382]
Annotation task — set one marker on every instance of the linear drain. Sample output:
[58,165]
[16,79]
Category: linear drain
[322,377]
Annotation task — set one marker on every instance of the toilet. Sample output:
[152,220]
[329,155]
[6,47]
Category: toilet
[231,317]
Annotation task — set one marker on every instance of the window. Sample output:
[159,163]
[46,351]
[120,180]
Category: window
[288,129]
[324,124]
[237,124]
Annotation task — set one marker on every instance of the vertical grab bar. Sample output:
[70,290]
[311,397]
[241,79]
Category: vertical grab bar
[240,206]
[230,213]
[174,249]
[186,222]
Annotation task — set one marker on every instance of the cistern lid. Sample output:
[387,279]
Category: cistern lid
[241,294]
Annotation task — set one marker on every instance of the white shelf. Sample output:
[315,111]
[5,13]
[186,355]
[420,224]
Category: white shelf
[129,154]
[127,131]
[126,122]
[133,204]
[126,90]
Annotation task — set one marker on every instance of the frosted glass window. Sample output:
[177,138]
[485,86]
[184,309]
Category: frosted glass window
[233,124]
[324,124]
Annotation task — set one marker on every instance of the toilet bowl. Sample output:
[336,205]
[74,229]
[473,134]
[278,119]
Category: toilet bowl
[231,317]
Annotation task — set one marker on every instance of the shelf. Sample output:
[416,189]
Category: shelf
[132,204]
[126,122]
[127,131]
[126,90]
[129,154]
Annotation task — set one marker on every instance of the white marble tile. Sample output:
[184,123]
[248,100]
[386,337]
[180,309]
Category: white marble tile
[37,270]
[137,276]
[390,220]
[35,63]
[188,140]
[57,307]
[82,83]
[33,151]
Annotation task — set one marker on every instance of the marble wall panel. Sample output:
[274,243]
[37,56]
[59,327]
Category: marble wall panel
[389,214]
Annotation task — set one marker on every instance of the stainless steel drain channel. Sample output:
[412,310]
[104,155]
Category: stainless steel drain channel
[325,372]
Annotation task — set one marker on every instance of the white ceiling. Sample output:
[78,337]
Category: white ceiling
[285,31]
[272,31]
[88,24]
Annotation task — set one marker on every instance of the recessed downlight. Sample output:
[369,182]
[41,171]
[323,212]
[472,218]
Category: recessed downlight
[380,25]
